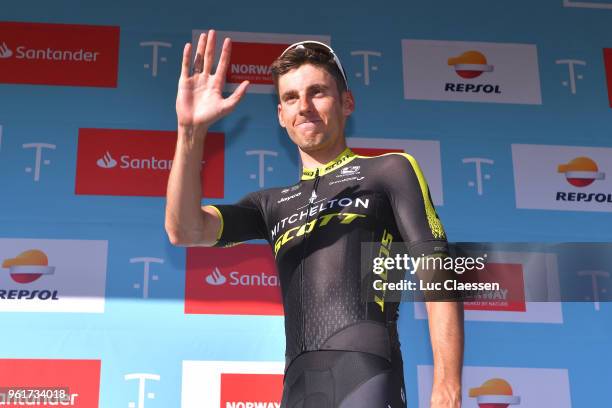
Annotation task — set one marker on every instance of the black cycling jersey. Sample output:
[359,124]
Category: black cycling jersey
[316,228]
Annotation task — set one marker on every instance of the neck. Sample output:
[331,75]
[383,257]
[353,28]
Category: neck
[320,157]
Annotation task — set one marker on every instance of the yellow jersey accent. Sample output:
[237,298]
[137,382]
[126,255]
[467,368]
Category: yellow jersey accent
[343,158]
[437,230]
[221,218]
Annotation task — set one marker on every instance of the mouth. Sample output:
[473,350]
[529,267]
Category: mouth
[309,123]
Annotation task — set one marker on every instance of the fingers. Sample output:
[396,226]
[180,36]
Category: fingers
[185,62]
[231,101]
[223,63]
[199,57]
[209,53]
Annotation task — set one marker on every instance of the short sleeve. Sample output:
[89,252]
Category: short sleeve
[415,214]
[242,221]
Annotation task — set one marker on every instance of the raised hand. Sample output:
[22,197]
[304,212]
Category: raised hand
[200,102]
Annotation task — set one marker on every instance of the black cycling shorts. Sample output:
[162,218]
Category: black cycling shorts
[343,379]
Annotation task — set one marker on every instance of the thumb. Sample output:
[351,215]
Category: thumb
[231,101]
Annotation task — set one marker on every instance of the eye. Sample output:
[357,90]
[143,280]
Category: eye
[290,98]
[317,92]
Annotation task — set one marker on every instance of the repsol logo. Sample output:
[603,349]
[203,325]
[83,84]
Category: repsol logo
[250,69]
[472,88]
[584,197]
[29,294]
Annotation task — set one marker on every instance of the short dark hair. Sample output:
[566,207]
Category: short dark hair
[296,57]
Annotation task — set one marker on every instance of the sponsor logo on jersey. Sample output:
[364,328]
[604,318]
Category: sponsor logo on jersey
[354,178]
[575,178]
[138,162]
[237,280]
[349,171]
[471,72]
[293,188]
[253,55]
[309,211]
[282,200]
[49,275]
[59,54]
[313,197]
[69,383]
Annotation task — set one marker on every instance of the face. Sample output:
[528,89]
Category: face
[311,109]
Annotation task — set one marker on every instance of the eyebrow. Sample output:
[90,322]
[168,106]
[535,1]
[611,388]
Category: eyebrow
[315,87]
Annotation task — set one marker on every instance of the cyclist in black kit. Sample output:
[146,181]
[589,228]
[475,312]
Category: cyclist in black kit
[341,351]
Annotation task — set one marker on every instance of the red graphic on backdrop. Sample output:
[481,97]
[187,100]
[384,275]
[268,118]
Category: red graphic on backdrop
[252,61]
[59,54]
[510,297]
[608,64]
[138,162]
[78,379]
[251,390]
[237,280]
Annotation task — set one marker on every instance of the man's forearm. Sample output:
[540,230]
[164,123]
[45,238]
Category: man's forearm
[446,333]
[184,221]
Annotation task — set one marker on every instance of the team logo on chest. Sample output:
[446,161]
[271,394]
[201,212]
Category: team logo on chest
[313,197]
[349,171]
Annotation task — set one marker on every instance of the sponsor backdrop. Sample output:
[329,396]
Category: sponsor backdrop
[507,106]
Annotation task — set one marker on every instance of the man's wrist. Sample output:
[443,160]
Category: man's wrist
[446,395]
[192,131]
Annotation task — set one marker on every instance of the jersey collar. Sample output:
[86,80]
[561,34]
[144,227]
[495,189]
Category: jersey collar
[343,158]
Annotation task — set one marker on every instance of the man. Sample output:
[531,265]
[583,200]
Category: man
[341,351]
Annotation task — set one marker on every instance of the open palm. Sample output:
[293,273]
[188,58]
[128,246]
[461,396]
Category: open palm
[200,101]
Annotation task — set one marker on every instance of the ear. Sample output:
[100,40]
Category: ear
[280,116]
[348,103]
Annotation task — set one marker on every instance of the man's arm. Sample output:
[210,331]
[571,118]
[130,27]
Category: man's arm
[446,334]
[424,235]
[187,223]
[199,103]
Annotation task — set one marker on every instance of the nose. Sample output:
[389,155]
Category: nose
[305,104]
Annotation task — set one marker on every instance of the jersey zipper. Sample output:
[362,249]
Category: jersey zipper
[304,244]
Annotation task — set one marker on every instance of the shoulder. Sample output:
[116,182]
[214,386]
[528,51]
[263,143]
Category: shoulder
[392,164]
[268,195]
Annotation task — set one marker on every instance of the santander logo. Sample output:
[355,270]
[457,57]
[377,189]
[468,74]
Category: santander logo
[106,161]
[215,278]
[237,280]
[5,51]
[137,162]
